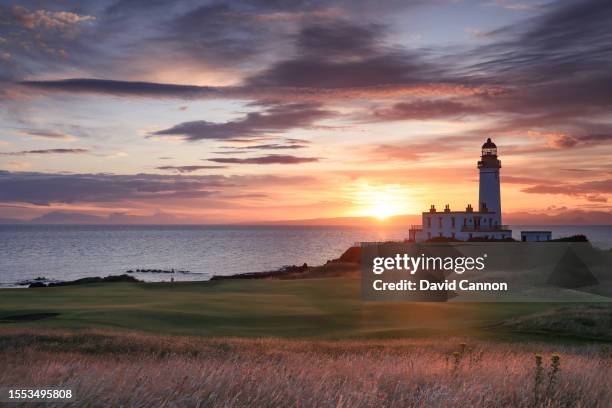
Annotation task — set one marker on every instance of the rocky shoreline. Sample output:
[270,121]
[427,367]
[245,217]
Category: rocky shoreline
[42,282]
[335,267]
[160,271]
[345,265]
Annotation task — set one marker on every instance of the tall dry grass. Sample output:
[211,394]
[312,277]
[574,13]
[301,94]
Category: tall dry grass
[106,369]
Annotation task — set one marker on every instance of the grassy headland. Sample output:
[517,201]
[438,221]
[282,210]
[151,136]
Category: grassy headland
[292,342]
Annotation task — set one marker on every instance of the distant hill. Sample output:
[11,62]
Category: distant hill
[406,219]
[66,217]
[61,217]
[568,217]
[4,221]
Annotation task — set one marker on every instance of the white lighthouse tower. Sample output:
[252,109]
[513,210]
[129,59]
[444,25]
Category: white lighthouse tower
[489,196]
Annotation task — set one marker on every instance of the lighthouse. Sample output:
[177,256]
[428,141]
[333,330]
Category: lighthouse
[479,223]
[483,223]
[489,196]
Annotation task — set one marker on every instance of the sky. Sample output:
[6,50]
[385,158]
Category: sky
[249,111]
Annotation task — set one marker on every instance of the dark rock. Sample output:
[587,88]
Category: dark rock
[284,271]
[573,238]
[97,279]
[351,255]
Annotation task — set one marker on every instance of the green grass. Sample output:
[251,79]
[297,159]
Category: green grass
[312,308]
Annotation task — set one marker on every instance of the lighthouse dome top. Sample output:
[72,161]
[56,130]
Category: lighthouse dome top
[489,149]
[489,144]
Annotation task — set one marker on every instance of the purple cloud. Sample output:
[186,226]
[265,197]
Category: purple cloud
[274,119]
[269,159]
[46,151]
[188,169]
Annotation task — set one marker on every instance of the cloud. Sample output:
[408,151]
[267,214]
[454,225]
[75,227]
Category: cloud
[427,110]
[551,69]
[234,36]
[214,33]
[395,152]
[290,144]
[125,88]
[516,6]
[140,89]
[50,20]
[45,151]
[565,141]
[595,198]
[274,119]
[566,39]
[329,58]
[269,159]
[595,191]
[415,150]
[188,169]
[273,146]
[521,180]
[138,190]
[41,40]
[341,54]
[546,73]
[45,189]
[48,134]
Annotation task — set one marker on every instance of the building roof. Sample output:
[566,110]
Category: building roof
[457,212]
[489,144]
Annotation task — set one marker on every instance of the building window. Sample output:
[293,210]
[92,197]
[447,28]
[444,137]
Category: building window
[470,236]
[439,222]
[428,222]
[453,222]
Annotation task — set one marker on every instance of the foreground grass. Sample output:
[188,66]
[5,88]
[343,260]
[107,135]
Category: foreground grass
[106,368]
[328,308]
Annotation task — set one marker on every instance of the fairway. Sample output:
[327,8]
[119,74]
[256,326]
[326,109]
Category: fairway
[314,308]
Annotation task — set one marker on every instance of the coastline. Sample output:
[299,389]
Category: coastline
[346,265]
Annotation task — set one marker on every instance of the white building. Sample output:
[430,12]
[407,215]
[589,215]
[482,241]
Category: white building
[486,223]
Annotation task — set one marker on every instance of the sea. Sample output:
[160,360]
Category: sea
[68,252]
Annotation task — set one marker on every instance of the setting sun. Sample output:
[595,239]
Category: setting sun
[383,211]
[382,202]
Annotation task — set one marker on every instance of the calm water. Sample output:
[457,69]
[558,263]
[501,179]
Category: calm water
[71,252]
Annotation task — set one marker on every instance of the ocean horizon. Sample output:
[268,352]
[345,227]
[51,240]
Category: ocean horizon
[67,252]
